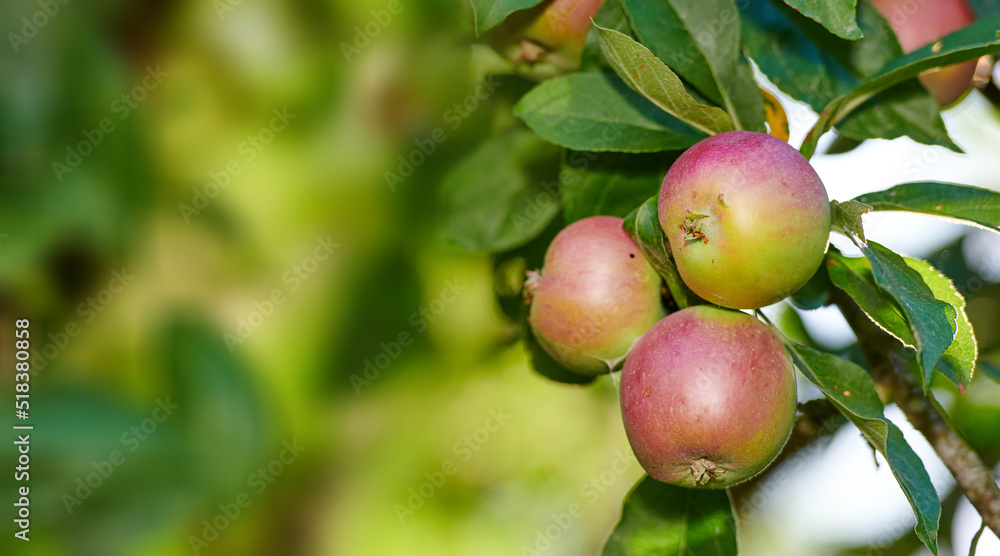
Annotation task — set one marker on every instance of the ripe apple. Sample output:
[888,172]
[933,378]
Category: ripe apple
[747,219]
[594,297]
[708,397]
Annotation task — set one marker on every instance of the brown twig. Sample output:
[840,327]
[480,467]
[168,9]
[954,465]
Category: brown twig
[971,474]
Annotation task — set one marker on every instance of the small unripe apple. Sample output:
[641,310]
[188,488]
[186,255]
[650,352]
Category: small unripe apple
[918,23]
[547,40]
[595,296]
[747,218]
[708,397]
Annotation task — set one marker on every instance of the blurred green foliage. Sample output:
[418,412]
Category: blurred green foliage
[198,277]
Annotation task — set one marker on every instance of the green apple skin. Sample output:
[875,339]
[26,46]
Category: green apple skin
[595,296]
[918,23]
[708,398]
[747,219]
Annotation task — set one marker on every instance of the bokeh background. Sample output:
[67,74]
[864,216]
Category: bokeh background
[227,249]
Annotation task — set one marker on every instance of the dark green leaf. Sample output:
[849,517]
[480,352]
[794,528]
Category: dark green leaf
[651,78]
[985,8]
[804,60]
[816,292]
[220,403]
[598,112]
[836,15]
[851,390]
[958,361]
[991,370]
[610,183]
[700,41]
[789,58]
[658,519]
[490,13]
[847,217]
[501,195]
[609,16]
[968,43]
[931,320]
[903,109]
[965,44]
[643,225]
[843,144]
[545,365]
[963,202]
[854,276]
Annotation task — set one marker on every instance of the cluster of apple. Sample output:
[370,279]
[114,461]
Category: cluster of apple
[707,392]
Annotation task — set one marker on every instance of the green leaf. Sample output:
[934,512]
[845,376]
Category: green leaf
[658,519]
[651,78]
[851,390]
[609,183]
[854,276]
[490,13]
[700,41]
[804,60]
[847,217]
[985,8]
[965,44]
[990,369]
[958,361]
[545,365]
[789,58]
[968,43]
[816,292]
[903,109]
[962,202]
[838,16]
[609,16]
[598,112]
[931,320]
[643,225]
[222,406]
[501,195]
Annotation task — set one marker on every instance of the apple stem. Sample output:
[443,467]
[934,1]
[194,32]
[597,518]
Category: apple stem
[531,284]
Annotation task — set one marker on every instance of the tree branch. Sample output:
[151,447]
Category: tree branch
[892,375]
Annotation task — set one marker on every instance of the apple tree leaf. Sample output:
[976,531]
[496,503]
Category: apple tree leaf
[658,518]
